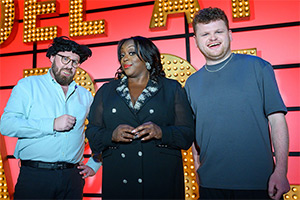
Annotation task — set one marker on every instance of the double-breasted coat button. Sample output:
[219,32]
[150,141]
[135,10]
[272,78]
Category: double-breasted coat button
[123,155]
[113,110]
[162,145]
[124,181]
[151,111]
[140,153]
[140,180]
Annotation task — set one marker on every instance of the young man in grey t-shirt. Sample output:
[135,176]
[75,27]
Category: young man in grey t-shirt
[234,99]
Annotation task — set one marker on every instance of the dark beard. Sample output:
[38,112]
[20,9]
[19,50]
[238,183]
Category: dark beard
[62,80]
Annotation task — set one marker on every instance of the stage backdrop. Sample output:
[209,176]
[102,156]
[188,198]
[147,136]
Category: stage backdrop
[271,28]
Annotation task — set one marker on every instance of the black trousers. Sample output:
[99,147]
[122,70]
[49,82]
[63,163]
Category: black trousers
[35,183]
[211,193]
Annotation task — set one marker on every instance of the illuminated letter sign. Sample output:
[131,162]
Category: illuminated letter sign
[7,19]
[31,10]
[78,27]
[164,7]
[240,9]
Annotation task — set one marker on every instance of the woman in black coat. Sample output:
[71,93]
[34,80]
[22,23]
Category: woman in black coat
[140,122]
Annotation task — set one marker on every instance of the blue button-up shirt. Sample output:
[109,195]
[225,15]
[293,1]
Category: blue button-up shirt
[29,115]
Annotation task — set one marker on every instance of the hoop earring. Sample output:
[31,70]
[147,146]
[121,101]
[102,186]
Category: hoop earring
[148,66]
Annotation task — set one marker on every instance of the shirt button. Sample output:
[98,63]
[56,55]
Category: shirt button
[151,111]
[140,180]
[123,155]
[124,181]
[113,110]
[140,153]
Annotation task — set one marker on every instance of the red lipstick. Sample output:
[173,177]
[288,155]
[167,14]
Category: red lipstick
[126,66]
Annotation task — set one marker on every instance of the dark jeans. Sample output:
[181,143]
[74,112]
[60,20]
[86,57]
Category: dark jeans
[35,183]
[211,193]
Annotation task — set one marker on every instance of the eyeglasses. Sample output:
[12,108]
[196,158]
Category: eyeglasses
[66,60]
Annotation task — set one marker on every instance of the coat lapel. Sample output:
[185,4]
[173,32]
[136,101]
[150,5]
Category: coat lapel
[151,89]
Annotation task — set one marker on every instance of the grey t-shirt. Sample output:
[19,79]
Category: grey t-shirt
[231,108]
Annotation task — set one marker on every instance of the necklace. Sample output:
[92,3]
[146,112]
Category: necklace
[220,67]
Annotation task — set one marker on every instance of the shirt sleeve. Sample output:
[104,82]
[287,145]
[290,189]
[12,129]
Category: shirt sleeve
[187,90]
[272,99]
[15,121]
[94,165]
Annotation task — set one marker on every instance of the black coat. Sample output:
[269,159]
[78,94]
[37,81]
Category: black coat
[142,169]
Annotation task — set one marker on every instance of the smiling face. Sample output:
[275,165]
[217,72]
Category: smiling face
[132,65]
[62,73]
[213,40]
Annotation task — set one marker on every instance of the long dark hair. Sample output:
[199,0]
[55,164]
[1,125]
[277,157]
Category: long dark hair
[147,52]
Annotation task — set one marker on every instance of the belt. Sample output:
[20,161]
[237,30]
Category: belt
[48,165]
